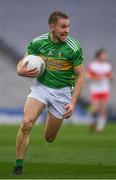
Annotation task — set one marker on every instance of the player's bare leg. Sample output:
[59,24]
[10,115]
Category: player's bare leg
[95,112]
[32,110]
[52,127]
[102,116]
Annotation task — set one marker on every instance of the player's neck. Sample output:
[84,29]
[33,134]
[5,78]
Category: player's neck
[54,39]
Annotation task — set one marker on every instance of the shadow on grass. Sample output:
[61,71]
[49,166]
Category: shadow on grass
[58,171]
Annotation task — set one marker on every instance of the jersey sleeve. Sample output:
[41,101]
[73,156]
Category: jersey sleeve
[91,69]
[77,58]
[110,68]
[32,48]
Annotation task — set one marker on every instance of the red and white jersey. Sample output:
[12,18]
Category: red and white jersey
[101,69]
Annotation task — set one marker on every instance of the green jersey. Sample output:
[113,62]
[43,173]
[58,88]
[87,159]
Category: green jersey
[60,59]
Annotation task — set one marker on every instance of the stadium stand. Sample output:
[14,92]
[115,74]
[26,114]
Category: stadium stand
[92,23]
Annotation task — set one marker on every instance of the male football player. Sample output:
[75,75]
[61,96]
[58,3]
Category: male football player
[54,88]
[100,74]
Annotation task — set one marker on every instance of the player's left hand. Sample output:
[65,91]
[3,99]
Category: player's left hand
[69,110]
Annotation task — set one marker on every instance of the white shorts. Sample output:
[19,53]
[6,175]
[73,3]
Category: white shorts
[54,99]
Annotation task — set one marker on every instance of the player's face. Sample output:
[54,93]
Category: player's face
[103,57]
[60,30]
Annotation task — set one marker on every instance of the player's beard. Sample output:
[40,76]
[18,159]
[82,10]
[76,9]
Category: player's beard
[59,37]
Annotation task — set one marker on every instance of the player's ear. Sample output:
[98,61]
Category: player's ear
[51,26]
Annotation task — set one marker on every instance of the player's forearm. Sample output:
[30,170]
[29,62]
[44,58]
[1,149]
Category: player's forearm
[77,89]
[18,67]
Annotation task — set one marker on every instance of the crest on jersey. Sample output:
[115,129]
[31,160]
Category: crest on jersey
[60,54]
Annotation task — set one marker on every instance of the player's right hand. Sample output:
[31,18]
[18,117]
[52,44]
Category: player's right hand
[23,71]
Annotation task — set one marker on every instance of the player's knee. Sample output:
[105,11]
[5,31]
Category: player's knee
[27,125]
[49,139]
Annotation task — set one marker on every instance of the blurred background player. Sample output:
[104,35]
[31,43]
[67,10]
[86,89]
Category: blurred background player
[99,73]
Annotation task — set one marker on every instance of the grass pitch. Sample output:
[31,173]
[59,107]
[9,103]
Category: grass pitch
[76,153]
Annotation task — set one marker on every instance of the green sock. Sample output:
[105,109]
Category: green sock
[19,162]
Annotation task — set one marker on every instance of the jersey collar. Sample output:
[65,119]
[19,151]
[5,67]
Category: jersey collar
[53,41]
